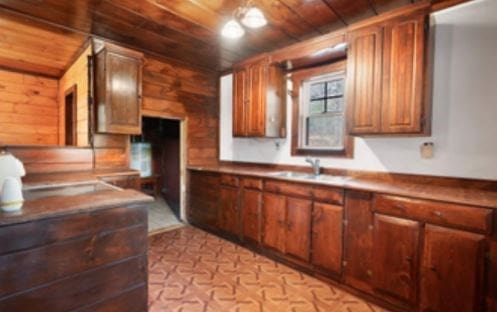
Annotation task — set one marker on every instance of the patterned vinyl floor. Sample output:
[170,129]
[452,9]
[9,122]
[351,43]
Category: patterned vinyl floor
[191,270]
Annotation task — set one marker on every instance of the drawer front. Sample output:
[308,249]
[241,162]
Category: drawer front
[230,180]
[328,195]
[288,188]
[470,218]
[252,183]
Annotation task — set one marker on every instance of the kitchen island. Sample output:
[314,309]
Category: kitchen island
[75,245]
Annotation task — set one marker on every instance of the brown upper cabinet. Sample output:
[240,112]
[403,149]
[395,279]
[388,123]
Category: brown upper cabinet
[118,89]
[258,99]
[388,88]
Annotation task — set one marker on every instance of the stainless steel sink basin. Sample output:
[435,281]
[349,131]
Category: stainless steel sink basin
[306,176]
[290,174]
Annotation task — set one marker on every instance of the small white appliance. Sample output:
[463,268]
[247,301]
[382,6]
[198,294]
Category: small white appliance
[11,171]
[141,158]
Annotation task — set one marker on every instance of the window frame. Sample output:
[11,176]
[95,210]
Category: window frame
[298,78]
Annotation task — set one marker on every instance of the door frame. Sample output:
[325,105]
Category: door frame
[183,123]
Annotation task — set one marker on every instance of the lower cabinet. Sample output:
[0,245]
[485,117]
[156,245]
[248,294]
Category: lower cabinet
[274,222]
[251,204]
[203,199]
[358,240]
[298,228]
[327,237]
[452,270]
[395,257]
[229,213]
[492,278]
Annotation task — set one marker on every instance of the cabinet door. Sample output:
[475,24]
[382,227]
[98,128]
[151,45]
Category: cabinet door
[203,199]
[298,224]
[395,257]
[251,208]
[451,272]
[239,102]
[327,237]
[358,240]
[492,287]
[123,100]
[228,211]
[256,105]
[274,221]
[364,73]
[403,75]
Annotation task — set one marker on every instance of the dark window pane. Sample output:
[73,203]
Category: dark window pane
[317,90]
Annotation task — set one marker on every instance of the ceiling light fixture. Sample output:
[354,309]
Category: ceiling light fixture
[248,15]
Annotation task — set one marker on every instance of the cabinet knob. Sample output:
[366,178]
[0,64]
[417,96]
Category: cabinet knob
[437,213]
[369,273]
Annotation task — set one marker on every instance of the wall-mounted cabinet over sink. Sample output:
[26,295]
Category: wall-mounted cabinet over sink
[259,99]
[388,76]
[118,89]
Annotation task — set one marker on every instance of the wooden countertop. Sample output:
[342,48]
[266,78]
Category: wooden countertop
[61,203]
[465,195]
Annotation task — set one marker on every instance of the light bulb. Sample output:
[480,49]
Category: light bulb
[254,18]
[232,30]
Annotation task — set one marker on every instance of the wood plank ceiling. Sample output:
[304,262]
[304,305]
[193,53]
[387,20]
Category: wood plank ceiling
[189,30]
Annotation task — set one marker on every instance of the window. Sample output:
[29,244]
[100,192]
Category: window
[319,112]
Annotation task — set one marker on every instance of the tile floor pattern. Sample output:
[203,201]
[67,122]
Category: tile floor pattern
[160,216]
[191,270]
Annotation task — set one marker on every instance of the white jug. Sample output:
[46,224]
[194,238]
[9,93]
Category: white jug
[11,171]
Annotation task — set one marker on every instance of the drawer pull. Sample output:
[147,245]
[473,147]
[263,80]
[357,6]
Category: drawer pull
[437,213]
[399,207]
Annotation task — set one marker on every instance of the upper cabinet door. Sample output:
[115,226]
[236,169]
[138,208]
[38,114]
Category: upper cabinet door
[239,102]
[403,75]
[364,77]
[118,85]
[256,104]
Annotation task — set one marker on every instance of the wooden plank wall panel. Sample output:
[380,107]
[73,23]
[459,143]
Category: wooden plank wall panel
[111,150]
[172,90]
[53,159]
[76,74]
[28,109]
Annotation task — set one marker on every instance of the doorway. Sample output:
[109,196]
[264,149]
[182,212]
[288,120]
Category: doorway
[157,154]
[70,107]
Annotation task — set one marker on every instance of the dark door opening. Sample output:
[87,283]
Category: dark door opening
[70,105]
[163,135]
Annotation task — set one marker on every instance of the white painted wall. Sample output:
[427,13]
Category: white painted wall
[464,110]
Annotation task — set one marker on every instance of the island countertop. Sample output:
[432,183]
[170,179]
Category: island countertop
[48,196]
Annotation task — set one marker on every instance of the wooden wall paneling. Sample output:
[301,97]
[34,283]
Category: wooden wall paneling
[28,109]
[352,11]
[111,151]
[53,159]
[76,74]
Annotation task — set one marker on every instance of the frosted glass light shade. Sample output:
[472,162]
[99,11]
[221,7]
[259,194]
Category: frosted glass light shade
[232,30]
[254,18]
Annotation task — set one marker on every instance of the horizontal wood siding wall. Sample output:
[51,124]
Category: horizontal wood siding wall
[171,90]
[77,75]
[28,109]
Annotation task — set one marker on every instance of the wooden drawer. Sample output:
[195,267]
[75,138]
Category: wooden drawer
[464,217]
[124,181]
[252,183]
[288,188]
[328,195]
[230,180]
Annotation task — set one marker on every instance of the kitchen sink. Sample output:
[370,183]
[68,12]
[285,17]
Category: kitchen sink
[290,174]
[306,176]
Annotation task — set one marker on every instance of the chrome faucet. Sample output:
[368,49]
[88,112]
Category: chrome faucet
[315,165]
